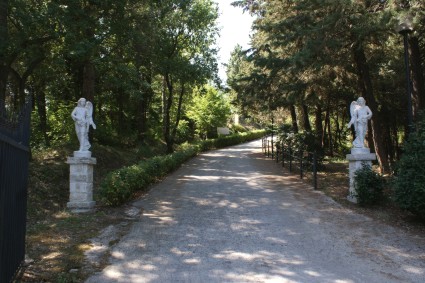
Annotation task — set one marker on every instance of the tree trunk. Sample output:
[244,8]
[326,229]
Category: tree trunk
[121,122]
[365,85]
[294,118]
[89,80]
[167,98]
[330,141]
[144,102]
[327,134]
[318,124]
[40,100]
[305,119]
[178,115]
[418,85]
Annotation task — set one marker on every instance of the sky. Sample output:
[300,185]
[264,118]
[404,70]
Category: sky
[235,29]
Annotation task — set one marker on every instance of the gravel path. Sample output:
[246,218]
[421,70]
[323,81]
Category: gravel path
[232,216]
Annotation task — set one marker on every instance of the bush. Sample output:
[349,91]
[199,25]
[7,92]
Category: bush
[369,186]
[238,128]
[119,186]
[409,178]
[303,141]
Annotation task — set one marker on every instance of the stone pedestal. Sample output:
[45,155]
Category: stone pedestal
[358,158]
[81,182]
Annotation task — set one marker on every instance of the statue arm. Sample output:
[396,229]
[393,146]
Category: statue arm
[352,121]
[73,114]
[369,112]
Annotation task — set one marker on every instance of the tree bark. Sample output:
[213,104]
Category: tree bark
[330,140]
[418,85]
[89,81]
[178,115]
[318,124]
[167,102]
[365,85]
[327,135]
[294,118]
[305,119]
[40,100]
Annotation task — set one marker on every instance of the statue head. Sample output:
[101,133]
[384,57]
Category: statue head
[82,102]
[361,101]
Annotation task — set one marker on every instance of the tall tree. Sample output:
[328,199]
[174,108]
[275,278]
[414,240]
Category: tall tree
[186,55]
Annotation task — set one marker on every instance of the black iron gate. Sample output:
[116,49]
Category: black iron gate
[14,158]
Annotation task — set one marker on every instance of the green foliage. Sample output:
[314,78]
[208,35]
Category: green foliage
[184,132]
[305,141]
[409,179]
[369,186]
[120,185]
[209,110]
[238,128]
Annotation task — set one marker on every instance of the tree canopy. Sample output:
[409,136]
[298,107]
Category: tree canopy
[314,57]
[139,62]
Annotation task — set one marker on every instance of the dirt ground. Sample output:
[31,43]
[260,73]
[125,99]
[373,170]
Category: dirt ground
[333,181]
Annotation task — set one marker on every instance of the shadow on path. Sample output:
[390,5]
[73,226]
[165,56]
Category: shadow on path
[232,216]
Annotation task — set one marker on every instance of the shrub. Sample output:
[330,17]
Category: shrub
[369,186]
[303,141]
[238,128]
[409,178]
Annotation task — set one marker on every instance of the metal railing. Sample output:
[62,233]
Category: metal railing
[301,160]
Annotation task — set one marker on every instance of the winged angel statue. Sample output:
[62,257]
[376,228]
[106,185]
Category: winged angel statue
[83,118]
[360,114]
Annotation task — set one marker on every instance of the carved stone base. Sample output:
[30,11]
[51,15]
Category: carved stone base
[81,182]
[358,158]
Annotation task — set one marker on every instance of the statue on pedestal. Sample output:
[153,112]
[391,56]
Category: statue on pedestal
[81,164]
[360,114]
[360,155]
[82,116]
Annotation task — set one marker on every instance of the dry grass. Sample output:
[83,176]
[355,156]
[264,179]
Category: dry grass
[56,239]
[333,181]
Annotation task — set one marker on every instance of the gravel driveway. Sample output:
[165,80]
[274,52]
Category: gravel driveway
[233,216]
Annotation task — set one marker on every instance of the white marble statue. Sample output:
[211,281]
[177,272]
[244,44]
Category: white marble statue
[360,114]
[82,116]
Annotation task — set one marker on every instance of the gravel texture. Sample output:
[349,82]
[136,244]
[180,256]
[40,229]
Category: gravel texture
[231,215]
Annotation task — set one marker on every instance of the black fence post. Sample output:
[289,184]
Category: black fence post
[268,148]
[262,144]
[272,144]
[277,152]
[315,170]
[283,155]
[301,164]
[290,159]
